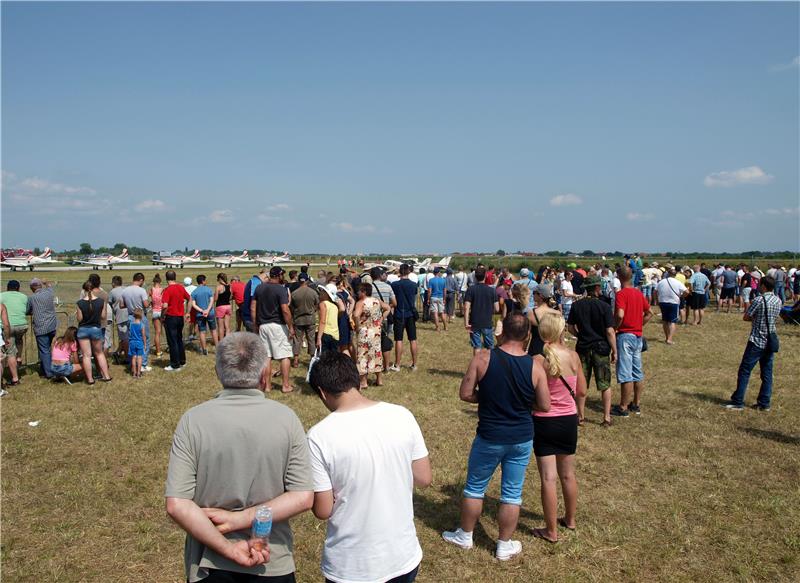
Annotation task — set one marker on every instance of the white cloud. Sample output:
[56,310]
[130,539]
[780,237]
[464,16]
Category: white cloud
[640,216]
[748,175]
[41,197]
[281,206]
[36,184]
[221,216]
[151,205]
[267,218]
[793,64]
[566,200]
[351,228]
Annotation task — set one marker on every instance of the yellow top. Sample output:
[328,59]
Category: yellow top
[331,324]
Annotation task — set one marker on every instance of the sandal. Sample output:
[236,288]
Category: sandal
[605,423]
[13,383]
[90,383]
[563,522]
[542,534]
[108,380]
[291,390]
[581,421]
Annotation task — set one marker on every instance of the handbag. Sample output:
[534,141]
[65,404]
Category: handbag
[314,360]
[644,344]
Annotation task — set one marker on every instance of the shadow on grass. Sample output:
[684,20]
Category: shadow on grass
[704,397]
[776,436]
[446,373]
[442,514]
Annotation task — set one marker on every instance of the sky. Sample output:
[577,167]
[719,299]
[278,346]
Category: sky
[402,127]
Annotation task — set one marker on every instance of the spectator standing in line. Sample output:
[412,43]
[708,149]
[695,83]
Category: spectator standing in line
[700,289]
[222,305]
[155,294]
[437,296]
[370,455]
[451,293]
[591,321]
[670,292]
[174,300]
[382,290]
[633,312]
[120,318]
[133,298]
[730,282]
[16,304]
[405,317]
[761,347]
[237,293]
[249,290]
[567,293]
[273,320]
[190,287]
[511,387]
[202,302]
[42,309]
[91,315]
[259,455]
[780,283]
[304,304]
[480,305]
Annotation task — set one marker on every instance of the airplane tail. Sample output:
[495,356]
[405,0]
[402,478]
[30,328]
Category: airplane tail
[445,262]
[124,254]
[425,263]
[244,253]
[47,253]
[196,254]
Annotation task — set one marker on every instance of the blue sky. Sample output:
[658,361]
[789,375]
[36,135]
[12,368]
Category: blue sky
[402,127]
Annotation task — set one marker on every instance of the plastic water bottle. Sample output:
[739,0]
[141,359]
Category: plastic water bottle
[262,527]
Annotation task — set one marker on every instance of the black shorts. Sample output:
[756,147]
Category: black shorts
[555,435]
[407,324]
[728,293]
[697,301]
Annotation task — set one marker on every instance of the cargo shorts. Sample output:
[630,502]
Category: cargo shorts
[600,365]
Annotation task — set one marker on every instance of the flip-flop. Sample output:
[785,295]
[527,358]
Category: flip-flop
[581,421]
[563,522]
[93,382]
[291,390]
[541,533]
[108,380]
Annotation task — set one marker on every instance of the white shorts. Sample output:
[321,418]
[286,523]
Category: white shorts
[276,340]
[437,306]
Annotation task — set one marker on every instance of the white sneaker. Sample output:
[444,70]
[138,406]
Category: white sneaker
[507,549]
[147,368]
[459,538]
[394,368]
[3,392]
[170,369]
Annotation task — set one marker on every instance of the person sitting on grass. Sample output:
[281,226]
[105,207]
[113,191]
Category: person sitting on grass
[556,430]
[366,459]
[65,355]
[137,340]
[511,387]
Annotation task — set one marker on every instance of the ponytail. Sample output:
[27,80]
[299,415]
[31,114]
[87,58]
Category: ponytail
[552,360]
[551,329]
[87,287]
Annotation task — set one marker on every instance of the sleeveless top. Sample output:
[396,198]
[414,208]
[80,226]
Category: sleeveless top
[91,314]
[504,406]
[561,402]
[331,324]
[224,297]
[155,293]
[537,344]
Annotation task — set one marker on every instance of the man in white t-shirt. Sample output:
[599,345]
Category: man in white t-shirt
[367,457]
[567,294]
[670,291]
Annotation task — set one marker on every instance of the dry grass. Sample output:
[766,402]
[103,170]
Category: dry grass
[685,492]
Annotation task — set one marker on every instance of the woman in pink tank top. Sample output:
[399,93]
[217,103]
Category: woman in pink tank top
[157,304]
[555,432]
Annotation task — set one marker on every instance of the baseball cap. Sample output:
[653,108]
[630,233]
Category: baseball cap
[36,282]
[303,276]
[545,290]
[187,281]
[572,265]
[276,272]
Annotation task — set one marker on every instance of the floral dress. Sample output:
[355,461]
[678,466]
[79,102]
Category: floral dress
[369,355]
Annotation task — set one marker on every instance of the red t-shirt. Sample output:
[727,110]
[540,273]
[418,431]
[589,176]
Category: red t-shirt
[635,305]
[237,289]
[174,296]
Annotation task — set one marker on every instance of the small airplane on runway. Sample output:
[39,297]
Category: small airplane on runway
[270,260]
[180,260]
[106,261]
[27,262]
[228,260]
[393,264]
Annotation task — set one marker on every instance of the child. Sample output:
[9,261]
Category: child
[137,340]
[65,354]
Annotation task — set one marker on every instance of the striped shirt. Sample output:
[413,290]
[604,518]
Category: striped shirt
[41,305]
[764,312]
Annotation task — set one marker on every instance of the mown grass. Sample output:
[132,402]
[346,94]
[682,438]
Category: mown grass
[686,491]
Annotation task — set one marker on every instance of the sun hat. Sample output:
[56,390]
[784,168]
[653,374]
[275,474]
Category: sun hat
[330,289]
[187,281]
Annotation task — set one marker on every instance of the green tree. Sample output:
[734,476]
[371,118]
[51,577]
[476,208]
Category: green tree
[86,249]
[500,253]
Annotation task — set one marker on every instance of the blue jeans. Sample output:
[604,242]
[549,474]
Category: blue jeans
[146,322]
[629,358]
[779,291]
[44,343]
[647,291]
[481,337]
[485,456]
[752,355]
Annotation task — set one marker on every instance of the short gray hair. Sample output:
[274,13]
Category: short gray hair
[241,357]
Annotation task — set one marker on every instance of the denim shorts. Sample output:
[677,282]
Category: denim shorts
[482,337]
[91,333]
[629,358]
[136,348]
[206,323]
[62,370]
[485,456]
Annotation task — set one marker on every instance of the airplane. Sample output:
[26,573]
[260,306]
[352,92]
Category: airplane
[228,260]
[107,261]
[180,260]
[393,264]
[27,262]
[270,260]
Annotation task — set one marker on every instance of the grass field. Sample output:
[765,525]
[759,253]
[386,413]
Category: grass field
[685,492]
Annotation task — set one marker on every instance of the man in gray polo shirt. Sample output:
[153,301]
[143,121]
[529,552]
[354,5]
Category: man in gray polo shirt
[230,455]
[384,292]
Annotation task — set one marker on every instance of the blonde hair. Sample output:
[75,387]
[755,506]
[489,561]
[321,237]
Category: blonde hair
[551,328]
[522,294]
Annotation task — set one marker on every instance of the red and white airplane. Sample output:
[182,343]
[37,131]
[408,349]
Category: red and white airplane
[180,260]
[228,260]
[270,260]
[28,261]
[107,261]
